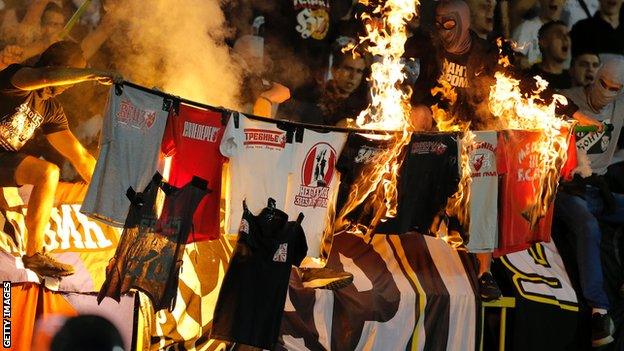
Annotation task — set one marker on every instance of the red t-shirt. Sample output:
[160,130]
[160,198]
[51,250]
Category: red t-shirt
[192,138]
[521,223]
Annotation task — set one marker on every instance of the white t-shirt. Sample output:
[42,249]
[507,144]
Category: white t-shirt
[260,162]
[314,184]
[525,36]
[483,194]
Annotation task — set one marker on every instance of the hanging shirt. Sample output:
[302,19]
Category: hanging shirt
[314,184]
[429,174]
[260,162]
[22,112]
[251,300]
[357,159]
[129,151]
[483,229]
[521,223]
[192,138]
[149,255]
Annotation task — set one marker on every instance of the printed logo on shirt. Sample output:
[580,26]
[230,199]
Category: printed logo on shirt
[594,143]
[281,254]
[18,128]
[317,173]
[455,74]
[428,147]
[312,18]
[135,117]
[243,228]
[368,154]
[481,160]
[265,138]
[529,171]
[200,132]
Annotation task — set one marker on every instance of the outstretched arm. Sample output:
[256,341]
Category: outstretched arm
[29,78]
[66,143]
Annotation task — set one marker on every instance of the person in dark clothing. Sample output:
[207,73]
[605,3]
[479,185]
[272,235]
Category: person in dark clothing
[583,69]
[601,33]
[343,96]
[28,104]
[554,43]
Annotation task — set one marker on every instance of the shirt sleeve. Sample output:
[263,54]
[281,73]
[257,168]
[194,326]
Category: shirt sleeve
[501,157]
[55,120]
[168,146]
[571,161]
[6,87]
[229,143]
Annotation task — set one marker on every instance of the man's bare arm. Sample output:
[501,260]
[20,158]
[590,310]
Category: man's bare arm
[34,78]
[66,143]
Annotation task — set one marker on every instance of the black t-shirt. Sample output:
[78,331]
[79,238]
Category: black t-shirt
[149,255]
[429,175]
[22,112]
[297,37]
[251,301]
[595,35]
[555,81]
[357,159]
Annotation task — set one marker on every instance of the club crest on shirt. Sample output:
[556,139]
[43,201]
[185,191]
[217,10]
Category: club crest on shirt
[281,254]
[593,142]
[482,160]
[317,172]
[135,117]
[18,128]
[428,147]
[243,228]
[368,154]
[312,18]
[264,138]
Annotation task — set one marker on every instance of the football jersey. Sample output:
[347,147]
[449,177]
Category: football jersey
[192,139]
[260,163]
[483,229]
[129,152]
[357,159]
[428,176]
[521,222]
[314,183]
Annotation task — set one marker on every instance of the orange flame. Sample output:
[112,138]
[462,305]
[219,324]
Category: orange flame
[515,110]
[389,110]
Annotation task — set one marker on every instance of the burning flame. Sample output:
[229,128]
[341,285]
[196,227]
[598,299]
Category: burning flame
[515,110]
[389,110]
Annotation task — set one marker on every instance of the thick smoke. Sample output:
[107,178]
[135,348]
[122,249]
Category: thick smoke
[178,46]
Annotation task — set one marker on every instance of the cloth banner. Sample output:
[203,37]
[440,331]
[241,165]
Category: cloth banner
[71,237]
[409,292]
[546,303]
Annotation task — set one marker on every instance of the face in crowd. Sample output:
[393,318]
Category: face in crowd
[52,23]
[584,68]
[482,20]
[348,73]
[608,84]
[556,43]
[610,7]
[452,21]
[551,9]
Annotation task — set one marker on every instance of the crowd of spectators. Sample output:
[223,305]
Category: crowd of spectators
[303,61]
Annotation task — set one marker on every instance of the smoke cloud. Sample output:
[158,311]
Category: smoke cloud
[178,46]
